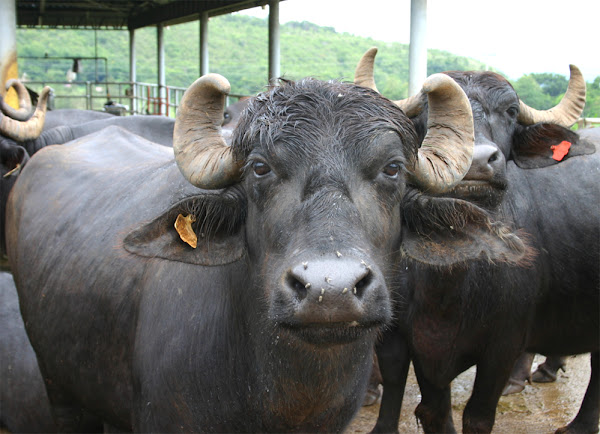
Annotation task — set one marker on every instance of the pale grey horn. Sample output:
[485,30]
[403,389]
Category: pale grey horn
[566,112]
[364,76]
[447,151]
[24,111]
[201,153]
[32,127]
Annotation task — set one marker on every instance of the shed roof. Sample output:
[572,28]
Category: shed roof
[120,14]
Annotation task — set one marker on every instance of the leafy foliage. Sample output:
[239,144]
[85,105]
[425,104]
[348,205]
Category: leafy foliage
[238,47]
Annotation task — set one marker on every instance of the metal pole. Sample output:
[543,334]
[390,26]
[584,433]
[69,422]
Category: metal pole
[204,44]
[417,57]
[274,42]
[132,71]
[8,48]
[161,67]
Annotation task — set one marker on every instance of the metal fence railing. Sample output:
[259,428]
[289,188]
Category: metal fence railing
[588,122]
[126,97]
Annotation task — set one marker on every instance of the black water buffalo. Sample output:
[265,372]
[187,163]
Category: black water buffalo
[297,240]
[16,147]
[25,406]
[485,314]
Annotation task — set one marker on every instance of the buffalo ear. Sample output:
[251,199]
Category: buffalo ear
[446,232]
[534,146]
[218,223]
[12,158]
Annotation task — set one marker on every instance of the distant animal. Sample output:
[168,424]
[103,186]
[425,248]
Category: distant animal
[60,117]
[521,373]
[528,169]
[297,228]
[70,124]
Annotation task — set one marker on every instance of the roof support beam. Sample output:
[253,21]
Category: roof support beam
[417,54]
[132,70]
[274,42]
[8,48]
[204,44]
[160,58]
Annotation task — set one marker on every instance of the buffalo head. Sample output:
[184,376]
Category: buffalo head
[319,171]
[505,127]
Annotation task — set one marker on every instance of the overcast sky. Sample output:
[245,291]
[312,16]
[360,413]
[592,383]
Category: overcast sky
[514,36]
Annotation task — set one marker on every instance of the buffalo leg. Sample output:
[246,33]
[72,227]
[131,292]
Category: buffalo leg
[69,417]
[546,372]
[394,360]
[587,418]
[434,412]
[375,380]
[520,374]
[480,413]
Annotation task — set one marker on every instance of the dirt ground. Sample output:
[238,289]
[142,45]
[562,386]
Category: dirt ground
[540,408]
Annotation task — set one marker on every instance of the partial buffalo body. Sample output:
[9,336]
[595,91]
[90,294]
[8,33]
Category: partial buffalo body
[521,373]
[486,313]
[61,117]
[24,402]
[298,228]
[62,126]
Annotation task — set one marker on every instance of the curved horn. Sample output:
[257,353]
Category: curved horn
[412,106]
[201,153]
[447,150]
[566,112]
[364,76]
[24,110]
[30,129]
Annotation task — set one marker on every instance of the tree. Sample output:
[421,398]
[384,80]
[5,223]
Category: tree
[532,94]
[551,84]
[592,106]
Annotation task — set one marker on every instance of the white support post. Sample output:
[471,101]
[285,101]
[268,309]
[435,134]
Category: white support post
[162,91]
[132,71]
[204,44]
[8,48]
[274,42]
[417,57]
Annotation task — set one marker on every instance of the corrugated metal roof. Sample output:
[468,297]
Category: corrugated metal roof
[120,14]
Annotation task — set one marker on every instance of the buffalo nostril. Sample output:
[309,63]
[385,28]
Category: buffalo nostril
[300,288]
[493,157]
[363,283]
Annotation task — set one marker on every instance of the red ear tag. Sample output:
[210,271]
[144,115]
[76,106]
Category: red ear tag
[560,150]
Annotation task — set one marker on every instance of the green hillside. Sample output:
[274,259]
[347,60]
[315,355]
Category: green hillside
[238,50]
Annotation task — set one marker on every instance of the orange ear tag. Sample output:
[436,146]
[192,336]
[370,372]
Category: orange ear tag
[183,225]
[560,150]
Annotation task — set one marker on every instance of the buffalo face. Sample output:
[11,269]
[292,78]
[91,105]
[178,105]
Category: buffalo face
[505,128]
[495,123]
[323,182]
[321,171]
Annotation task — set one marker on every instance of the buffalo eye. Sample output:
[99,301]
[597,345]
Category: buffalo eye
[226,118]
[391,170]
[512,112]
[260,168]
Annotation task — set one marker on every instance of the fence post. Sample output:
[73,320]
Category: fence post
[88,95]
